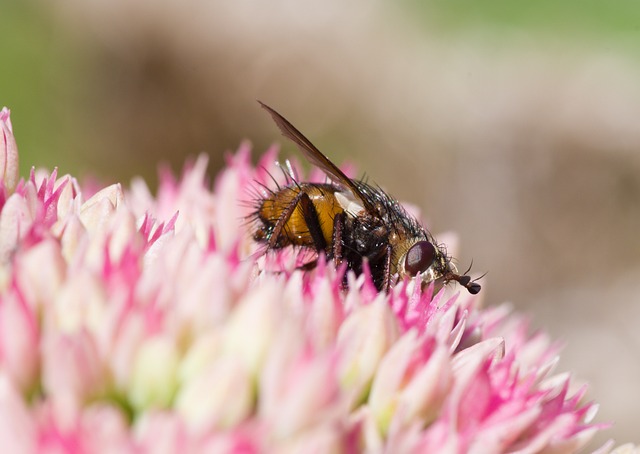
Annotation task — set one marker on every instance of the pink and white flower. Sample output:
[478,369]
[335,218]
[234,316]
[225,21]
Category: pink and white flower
[139,323]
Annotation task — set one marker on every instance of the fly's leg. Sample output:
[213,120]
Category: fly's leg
[310,216]
[387,270]
[338,229]
[282,221]
[336,248]
[337,242]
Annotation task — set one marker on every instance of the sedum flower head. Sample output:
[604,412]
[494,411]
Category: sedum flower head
[138,323]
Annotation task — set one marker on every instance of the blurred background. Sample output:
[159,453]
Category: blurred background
[514,124]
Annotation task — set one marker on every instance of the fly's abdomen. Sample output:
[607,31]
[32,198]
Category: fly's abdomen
[286,219]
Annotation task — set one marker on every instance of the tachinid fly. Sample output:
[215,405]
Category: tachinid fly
[350,221]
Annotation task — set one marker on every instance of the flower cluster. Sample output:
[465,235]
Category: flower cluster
[139,323]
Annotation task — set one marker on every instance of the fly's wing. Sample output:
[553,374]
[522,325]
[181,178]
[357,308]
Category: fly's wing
[317,158]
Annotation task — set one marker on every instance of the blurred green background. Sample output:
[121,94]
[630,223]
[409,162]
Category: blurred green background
[573,20]
[514,124]
[59,75]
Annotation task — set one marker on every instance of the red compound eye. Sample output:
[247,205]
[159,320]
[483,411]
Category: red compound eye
[419,258]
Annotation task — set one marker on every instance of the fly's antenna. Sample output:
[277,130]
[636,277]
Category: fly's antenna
[465,280]
[469,269]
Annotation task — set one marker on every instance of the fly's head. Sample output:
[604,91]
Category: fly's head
[433,264]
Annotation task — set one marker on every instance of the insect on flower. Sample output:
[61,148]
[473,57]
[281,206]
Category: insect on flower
[351,222]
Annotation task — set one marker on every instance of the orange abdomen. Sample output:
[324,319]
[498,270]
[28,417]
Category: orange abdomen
[295,230]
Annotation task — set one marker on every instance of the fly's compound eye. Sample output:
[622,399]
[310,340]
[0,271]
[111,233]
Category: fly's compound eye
[419,257]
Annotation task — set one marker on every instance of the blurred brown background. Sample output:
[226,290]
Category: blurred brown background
[515,125]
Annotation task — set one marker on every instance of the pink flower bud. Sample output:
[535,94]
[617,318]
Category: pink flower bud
[40,283]
[364,338]
[72,368]
[96,212]
[18,427]
[19,341]
[154,374]
[218,398]
[15,221]
[411,382]
[252,326]
[8,152]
